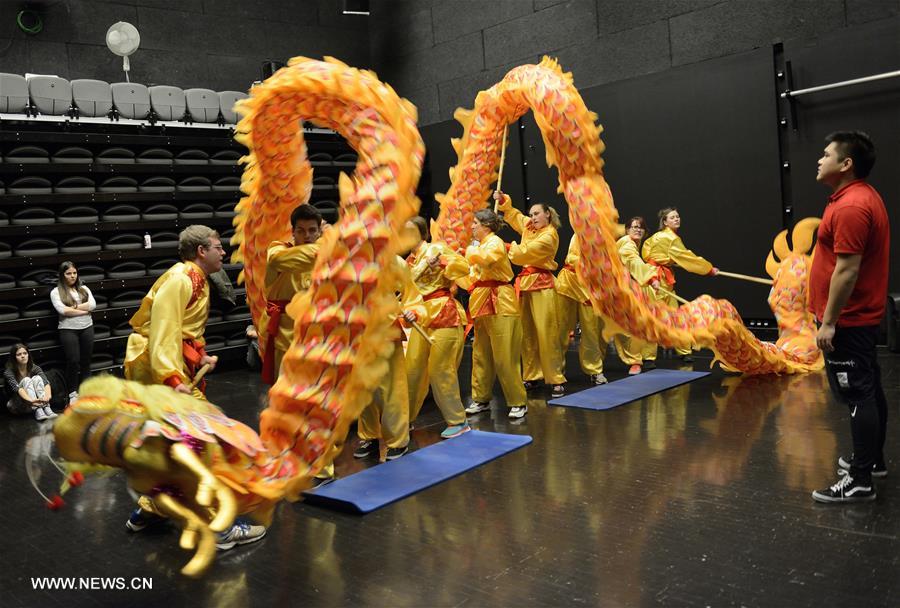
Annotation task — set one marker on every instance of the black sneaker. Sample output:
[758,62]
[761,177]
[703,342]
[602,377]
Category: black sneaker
[558,390]
[395,453]
[846,489]
[318,482]
[687,358]
[648,365]
[366,448]
[530,385]
[879,469]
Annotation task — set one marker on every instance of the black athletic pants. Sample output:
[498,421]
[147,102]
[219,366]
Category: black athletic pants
[855,379]
[78,346]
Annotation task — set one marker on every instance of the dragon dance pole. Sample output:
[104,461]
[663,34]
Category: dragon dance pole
[502,162]
[745,277]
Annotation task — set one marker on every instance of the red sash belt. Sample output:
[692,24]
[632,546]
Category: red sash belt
[193,352]
[490,306]
[543,282]
[274,308]
[666,273]
[569,267]
[448,316]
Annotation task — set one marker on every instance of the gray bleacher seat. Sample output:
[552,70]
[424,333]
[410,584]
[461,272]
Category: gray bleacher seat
[227,184]
[127,298]
[122,329]
[161,211]
[4,218]
[320,158]
[227,99]
[122,213]
[33,216]
[159,183]
[225,237]
[116,156]
[8,312]
[225,210]
[128,270]
[101,361]
[5,250]
[101,331]
[154,156]
[36,278]
[6,342]
[225,157]
[2,191]
[324,183]
[164,240]
[43,339]
[119,184]
[123,242]
[203,104]
[131,99]
[7,281]
[51,95]
[215,316]
[236,339]
[192,156]
[102,301]
[197,211]
[30,185]
[214,343]
[27,155]
[167,101]
[89,272]
[72,155]
[328,209]
[348,159]
[13,93]
[75,184]
[91,97]
[80,214]
[81,244]
[159,267]
[194,183]
[238,312]
[36,247]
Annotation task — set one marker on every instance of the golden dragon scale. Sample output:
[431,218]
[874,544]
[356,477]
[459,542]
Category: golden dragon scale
[572,140]
[342,335]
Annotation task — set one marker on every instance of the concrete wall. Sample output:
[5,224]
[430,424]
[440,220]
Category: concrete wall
[217,44]
[440,53]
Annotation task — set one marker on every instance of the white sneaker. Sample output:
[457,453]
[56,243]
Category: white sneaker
[477,407]
[518,412]
[73,396]
[599,379]
[39,414]
[48,413]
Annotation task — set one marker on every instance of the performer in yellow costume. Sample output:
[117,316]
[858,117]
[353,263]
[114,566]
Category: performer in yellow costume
[494,309]
[541,357]
[288,272]
[387,417]
[167,345]
[573,304]
[434,267]
[634,352]
[665,250]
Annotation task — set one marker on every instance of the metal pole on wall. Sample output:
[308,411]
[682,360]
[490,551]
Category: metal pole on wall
[781,69]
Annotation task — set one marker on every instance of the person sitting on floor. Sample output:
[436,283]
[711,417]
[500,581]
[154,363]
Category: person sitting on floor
[28,385]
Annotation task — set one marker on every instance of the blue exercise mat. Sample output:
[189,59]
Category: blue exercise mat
[389,482]
[628,389]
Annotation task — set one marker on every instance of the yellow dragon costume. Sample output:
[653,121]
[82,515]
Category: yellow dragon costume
[202,468]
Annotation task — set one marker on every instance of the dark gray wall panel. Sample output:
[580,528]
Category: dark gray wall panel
[454,19]
[458,93]
[734,26]
[618,15]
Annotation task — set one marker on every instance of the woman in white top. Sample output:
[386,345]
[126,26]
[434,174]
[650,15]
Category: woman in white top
[74,303]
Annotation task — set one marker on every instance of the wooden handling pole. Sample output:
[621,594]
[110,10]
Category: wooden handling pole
[419,329]
[502,162]
[666,292]
[200,373]
[745,277]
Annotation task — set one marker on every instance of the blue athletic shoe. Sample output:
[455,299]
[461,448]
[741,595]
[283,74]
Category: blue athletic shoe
[240,533]
[455,431]
[140,519]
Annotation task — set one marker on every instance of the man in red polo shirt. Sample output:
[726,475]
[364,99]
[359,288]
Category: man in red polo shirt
[847,293]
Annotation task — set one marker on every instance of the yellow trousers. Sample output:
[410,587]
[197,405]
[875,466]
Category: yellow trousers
[673,303]
[590,349]
[387,417]
[496,351]
[437,365]
[540,337]
[634,351]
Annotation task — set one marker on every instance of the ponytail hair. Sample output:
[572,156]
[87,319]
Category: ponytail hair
[489,220]
[662,215]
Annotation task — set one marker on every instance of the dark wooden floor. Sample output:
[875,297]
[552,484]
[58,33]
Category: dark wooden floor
[699,496]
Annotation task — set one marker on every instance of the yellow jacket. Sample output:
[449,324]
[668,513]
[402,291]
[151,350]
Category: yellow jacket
[665,248]
[288,272]
[175,309]
[489,279]
[408,296]
[537,249]
[641,271]
[441,310]
[567,282]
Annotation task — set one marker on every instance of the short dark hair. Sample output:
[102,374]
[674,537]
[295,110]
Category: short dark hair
[305,212]
[639,220]
[662,215]
[489,220]
[858,146]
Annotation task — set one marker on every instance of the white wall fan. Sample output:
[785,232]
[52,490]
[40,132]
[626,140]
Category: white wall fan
[123,39]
